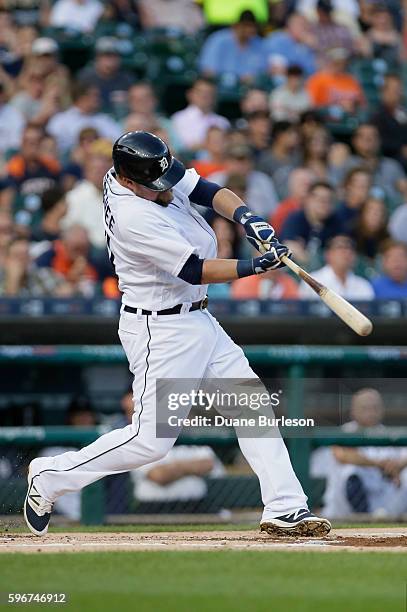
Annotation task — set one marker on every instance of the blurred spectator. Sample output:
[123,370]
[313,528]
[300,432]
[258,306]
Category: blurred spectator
[387,173]
[261,196]
[143,101]
[306,231]
[29,172]
[337,274]
[310,120]
[84,112]
[253,100]
[107,76]
[73,171]
[392,284]
[236,51]
[44,61]
[344,11]
[258,132]
[179,476]
[385,40]
[121,11]
[84,200]
[282,156]
[11,124]
[70,257]
[80,15]
[391,120]
[329,34]
[53,209]
[289,100]
[20,277]
[182,15]
[192,123]
[355,192]
[398,224]
[299,182]
[333,85]
[15,47]
[366,479]
[370,230]
[318,153]
[6,234]
[292,45]
[212,155]
[36,101]
[276,285]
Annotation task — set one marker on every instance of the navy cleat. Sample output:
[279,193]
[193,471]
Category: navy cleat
[37,510]
[301,523]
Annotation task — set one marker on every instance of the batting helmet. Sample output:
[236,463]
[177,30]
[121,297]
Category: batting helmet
[146,159]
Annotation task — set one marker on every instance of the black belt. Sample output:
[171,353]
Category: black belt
[201,305]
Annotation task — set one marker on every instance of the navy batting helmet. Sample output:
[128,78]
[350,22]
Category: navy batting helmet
[146,159]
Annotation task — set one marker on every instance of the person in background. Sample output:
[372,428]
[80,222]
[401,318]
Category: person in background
[84,112]
[30,174]
[282,156]
[111,80]
[44,60]
[392,283]
[307,231]
[328,33]
[258,130]
[20,277]
[355,189]
[181,15]
[79,15]
[290,99]
[391,120]
[370,230]
[236,51]
[84,199]
[212,156]
[80,413]
[387,173]
[73,170]
[252,101]
[398,224]
[299,182]
[142,100]
[191,124]
[293,45]
[368,479]
[316,153]
[36,101]
[261,196]
[11,125]
[53,208]
[337,274]
[70,257]
[6,234]
[333,86]
[384,38]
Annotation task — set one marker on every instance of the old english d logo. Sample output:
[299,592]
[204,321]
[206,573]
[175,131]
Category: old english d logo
[164,164]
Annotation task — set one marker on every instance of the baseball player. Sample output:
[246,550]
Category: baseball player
[164,254]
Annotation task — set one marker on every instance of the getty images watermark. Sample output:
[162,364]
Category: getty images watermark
[247,405]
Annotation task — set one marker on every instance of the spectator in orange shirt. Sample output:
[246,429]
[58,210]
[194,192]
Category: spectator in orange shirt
[299,183]
[273,285]
[214,150]
[333,86]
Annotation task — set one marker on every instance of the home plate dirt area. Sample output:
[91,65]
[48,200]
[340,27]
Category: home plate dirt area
[355,539]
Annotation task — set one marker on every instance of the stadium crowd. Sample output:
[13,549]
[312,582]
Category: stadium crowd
[297,106]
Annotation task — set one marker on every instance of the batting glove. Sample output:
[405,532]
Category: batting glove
[272,259]
[259,233]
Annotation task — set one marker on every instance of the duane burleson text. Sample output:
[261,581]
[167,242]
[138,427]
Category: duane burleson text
[221,421]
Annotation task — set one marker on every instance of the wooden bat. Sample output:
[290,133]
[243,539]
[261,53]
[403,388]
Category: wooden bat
[345,311]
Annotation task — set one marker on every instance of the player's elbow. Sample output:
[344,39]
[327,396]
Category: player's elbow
[191,271]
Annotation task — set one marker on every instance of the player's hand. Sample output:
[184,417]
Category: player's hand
[272,259]
[259,233]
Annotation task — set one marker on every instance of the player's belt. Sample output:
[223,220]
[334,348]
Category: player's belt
[201,305]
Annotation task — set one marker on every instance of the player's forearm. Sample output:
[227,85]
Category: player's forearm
[353,456]
[219,271]
[225,202]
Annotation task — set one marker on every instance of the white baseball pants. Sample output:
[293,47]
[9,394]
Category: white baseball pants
[190,345]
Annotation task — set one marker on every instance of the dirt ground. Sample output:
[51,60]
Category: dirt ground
[359,539]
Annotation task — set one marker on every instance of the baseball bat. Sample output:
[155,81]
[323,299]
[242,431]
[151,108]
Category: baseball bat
[345,311]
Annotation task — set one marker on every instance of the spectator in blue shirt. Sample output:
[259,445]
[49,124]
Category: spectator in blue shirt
[307,231]
[292,45]
[392,285]
[236,51]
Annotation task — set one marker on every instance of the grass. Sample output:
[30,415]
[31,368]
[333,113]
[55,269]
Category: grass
[220,581]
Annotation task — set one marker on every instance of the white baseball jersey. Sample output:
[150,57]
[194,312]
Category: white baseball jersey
[149,243]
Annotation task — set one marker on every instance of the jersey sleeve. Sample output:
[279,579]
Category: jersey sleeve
[158,241]
[188,182]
